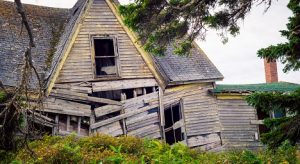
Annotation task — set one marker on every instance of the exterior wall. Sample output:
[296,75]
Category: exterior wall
[100,20]
[236,128]
[201,120]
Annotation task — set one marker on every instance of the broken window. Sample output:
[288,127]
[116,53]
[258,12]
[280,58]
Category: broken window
[105,57]
[173,124]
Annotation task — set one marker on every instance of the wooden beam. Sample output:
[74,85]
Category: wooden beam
[74,88]
[122,116]
[123,120]
[56,128]
[161,107]
[73,96]
[68,123]
[122,84]
[79,125]
[66,107]
[134,93]
[107,109]
[92,121]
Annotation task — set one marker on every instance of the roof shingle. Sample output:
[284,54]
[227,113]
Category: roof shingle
[195,67]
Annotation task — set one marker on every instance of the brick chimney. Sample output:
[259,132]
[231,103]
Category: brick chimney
[271,71]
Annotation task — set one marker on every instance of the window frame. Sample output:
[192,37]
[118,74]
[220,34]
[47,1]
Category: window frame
[116,56]
[182,118]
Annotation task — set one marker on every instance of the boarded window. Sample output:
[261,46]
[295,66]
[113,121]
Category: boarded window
[173,117]
[105,57]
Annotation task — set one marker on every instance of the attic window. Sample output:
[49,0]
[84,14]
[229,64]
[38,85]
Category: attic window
[105,57]
[173,120]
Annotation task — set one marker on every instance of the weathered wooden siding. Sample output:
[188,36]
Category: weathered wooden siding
[139,117]
[236,129]
[200,114]
[101,21]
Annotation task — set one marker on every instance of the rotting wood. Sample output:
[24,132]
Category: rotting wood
[178,124]
[68,123]
[161,107]
[78,125]
[107,109]
[113,129]
[122,116]
[74,88]
[92,121]
[122,112]
[147,121]
[73,96]
[56,128]
[122,84]
[66,107]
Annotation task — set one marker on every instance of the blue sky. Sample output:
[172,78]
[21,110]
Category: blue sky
[237,60]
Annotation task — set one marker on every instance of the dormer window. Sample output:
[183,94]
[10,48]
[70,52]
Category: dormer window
[105,54]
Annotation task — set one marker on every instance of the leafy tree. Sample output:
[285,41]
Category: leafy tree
[163,22]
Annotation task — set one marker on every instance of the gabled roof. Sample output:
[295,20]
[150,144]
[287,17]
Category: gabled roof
[248,88]
[63,47]
[51,23]
[46,24]
[74,15]
[192,68]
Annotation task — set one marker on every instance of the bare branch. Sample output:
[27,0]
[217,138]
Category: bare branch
[21,11]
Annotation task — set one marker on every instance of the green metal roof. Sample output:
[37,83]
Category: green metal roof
[263,87]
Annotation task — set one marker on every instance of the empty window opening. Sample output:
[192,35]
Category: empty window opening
[113,95]
[260,116]
[173,134]
[128,93]
[105,57]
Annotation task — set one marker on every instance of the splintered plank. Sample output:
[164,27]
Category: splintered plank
[73,96]
[122,116]
[66,107]
[107,109]
[113,129]
[123,84]
[74,88]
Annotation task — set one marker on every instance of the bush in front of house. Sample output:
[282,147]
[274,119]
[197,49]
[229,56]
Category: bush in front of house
[105,149]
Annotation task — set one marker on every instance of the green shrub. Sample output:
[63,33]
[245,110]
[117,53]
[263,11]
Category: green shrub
[122,150]
[6,156]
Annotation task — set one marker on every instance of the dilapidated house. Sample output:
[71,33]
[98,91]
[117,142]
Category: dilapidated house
[99,79]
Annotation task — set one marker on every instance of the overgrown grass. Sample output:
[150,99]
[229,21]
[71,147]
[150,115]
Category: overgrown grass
[106,149]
